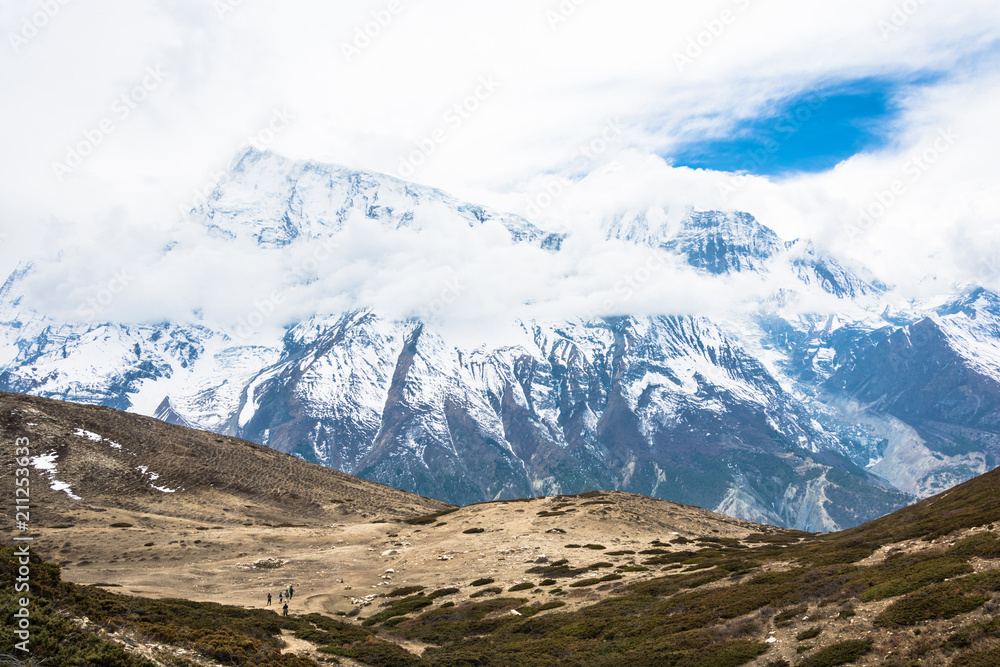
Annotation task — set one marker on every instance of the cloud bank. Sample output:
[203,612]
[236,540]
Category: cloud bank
[118,116]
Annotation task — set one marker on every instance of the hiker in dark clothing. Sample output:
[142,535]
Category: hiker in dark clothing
[291,590]
[281,596]
[268,599]
[284,610]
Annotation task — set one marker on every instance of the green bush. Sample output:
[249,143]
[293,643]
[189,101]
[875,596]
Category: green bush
[405,590]
[376,653]
[902,575]
[786,617]
[399,608]
[482,582]
[983,545]
[838,654]
[531,611]
[429,518]
[592,581]
[987,658]
[441,592]
[523,586]
[809,633]
[943,600]
[493,590]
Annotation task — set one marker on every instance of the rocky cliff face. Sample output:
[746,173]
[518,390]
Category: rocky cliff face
[809,421]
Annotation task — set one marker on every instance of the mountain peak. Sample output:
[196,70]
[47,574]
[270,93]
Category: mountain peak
[275,200]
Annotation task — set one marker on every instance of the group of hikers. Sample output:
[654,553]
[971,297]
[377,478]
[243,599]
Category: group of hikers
[283,598]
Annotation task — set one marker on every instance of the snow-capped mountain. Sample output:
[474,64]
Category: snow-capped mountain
[276,201]
[810,421]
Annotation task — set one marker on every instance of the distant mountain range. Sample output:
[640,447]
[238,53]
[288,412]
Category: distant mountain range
[811,421]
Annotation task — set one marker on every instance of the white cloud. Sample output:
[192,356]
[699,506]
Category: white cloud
[559,88]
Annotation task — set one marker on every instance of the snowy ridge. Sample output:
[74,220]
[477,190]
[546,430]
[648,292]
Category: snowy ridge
[772,415]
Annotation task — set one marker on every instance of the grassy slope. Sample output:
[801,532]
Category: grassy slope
[713,606]
[932,598]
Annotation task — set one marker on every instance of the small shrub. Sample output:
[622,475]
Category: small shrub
[592,581]
[399,608]
[984,545]
[121,524]
[988,658]
[493,590]
[393,622]
[473,531]
[531,611]
[548,582]
[441,592]
[429,518]
[940,601]
[405,590]
[376,653]
[838,654]
[482,582]
[809,633]
[595,547]
[786,617]
[523,586]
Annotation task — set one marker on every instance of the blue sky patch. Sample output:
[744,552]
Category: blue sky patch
[811,132]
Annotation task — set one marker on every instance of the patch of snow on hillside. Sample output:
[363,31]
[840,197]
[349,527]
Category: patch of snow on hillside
[47,463]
